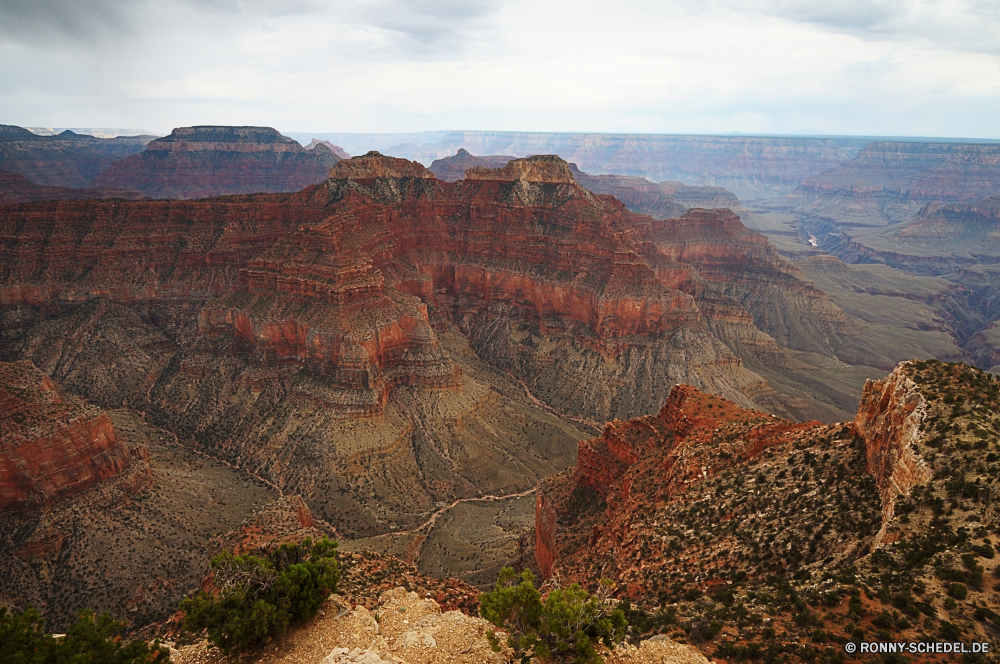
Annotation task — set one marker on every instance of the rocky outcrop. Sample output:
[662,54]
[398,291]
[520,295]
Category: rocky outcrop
[453,168]
[15,188]
[285,520]
[197,162]
[335,149]
[53,445]
[646,461]
[751,167]
[63,160]
[889,418]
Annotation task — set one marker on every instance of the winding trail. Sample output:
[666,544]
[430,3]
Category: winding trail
[414,550]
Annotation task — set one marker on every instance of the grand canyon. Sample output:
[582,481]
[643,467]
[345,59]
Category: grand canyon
[747,380]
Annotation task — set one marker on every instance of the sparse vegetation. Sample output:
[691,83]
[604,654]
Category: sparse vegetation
[261,595]
[566,624]
[92,638]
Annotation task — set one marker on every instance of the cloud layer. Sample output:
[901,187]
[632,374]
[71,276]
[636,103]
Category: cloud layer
[910,67]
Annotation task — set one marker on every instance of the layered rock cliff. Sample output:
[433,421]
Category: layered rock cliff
[64,160]
[15,188]
[52,445]
[197,162]
[752,167]
[889,418]
[343,341]
[714,512]
[888,182]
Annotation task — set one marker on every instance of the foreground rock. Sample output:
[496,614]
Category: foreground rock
[404,628]
[710,514]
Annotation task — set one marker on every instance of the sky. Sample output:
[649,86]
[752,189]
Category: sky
[899,68]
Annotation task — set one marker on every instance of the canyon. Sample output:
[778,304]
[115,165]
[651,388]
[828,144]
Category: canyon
[752,167]
[203,161]
[398,356]
[63,160]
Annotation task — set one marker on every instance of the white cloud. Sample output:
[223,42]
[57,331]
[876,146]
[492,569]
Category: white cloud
[908,67]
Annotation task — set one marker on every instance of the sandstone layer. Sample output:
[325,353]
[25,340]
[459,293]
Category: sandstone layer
[64,160]
[15,188]
[197,162]
[53,445]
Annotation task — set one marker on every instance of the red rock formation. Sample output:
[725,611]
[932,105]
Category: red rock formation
[196,162]
[65,160]
[453,168]
[649,459]
[15,188]
[889,418]
[381,245]
[52,446]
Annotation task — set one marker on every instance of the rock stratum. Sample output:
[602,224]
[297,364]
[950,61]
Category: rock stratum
[384,340]
[53,445]
[708,514]
[889,182]
[63,160]
[15,188]
[203,161]
[751,167]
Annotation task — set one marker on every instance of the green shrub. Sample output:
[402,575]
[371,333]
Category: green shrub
[565,625]
[92,638]
[258,596]
[958,590]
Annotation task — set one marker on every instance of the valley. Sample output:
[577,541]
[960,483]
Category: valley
[229,340]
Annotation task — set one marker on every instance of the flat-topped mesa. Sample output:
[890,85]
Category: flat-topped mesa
[52,445]
[199,162]
[226,139]
[541,169]
[374,165]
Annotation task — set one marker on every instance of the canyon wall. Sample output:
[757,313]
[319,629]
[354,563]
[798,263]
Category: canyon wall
[751,167]
[64,160]
[197,162]
[53,445]
[889,418]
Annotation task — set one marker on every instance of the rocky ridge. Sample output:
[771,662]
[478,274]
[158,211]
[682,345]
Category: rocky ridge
[63,160]
[757,537]
[197,162]
[53,445]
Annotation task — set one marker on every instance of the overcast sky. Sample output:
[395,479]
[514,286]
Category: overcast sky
[894,67]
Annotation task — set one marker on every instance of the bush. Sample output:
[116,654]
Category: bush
[566,625]
[258,596]
[92,638]
[958,590]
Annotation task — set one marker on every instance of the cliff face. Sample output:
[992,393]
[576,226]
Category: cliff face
[939,239]
[453,168]
[750,167]
[63,160]
[197,162]
[53,445]
[709,504]
[587,517]
[15,188]
[889,182]
[889,418]
[343,341]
